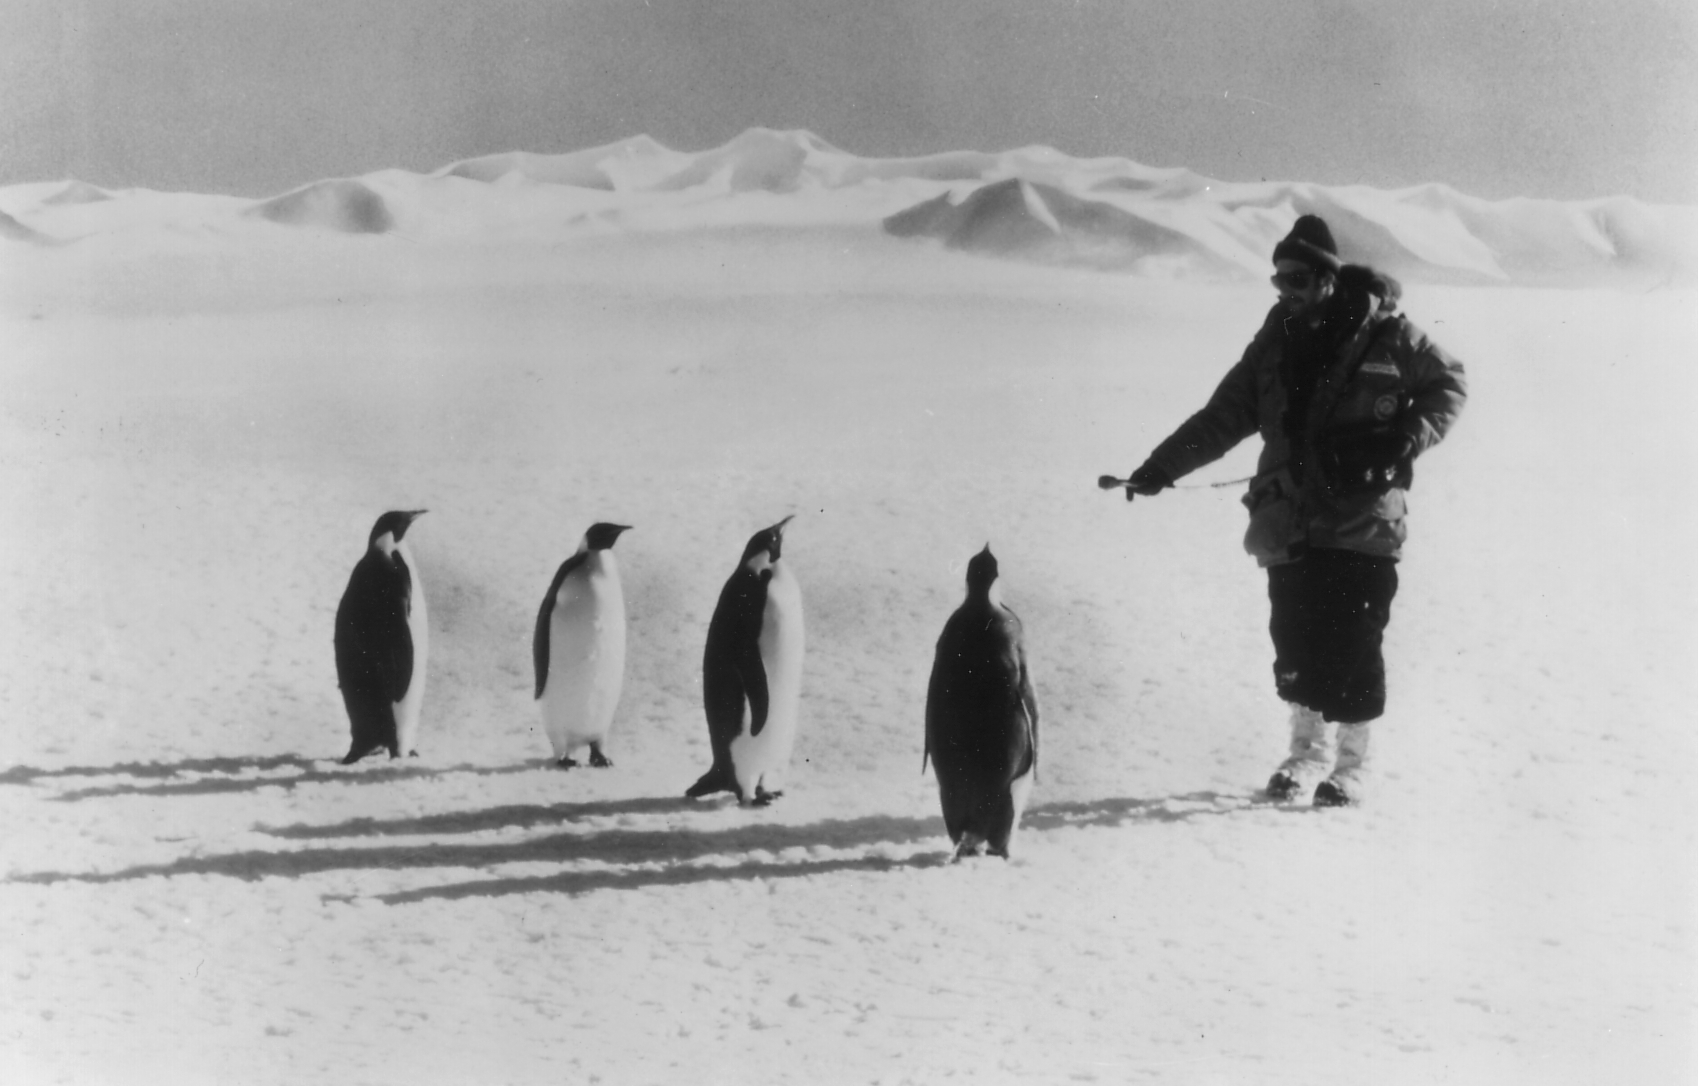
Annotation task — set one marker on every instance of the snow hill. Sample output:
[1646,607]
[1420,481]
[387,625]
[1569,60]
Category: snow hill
[16,231]
[1032,203]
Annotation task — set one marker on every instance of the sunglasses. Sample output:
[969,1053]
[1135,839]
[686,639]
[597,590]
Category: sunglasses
[1300,280]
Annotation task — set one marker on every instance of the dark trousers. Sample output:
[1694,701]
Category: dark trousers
[1330,610]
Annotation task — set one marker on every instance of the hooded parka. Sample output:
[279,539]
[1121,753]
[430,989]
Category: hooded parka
[1379,381]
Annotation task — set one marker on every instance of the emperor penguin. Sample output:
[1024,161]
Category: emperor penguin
[382,642]
[982,718]
[752,674]
[579,647]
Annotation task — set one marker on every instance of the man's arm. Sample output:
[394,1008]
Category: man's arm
[1438,391]
[1228,418]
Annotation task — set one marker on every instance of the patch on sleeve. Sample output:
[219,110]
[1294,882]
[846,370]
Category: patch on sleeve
[1384,369]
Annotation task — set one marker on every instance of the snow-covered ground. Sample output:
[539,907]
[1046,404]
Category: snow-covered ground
[199,428]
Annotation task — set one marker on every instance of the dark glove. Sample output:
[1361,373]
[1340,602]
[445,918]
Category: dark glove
[1148,480]
[1372,461]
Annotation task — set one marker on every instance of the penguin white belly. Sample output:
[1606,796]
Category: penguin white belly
[586,659]
[418,624]
[760,760]
[1019,791]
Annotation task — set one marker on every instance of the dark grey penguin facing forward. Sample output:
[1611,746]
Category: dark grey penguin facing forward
[382,641]
[982,718]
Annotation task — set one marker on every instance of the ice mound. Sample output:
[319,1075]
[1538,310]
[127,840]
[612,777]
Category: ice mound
[763,160]
[78,192]
[13,230]
[1430,233]
[1037,221]
[348,207]
[633,164]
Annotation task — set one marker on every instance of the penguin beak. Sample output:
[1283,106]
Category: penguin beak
[778,529]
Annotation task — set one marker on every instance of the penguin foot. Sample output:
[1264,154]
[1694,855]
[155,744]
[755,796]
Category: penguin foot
[412,754]
[566,763]
[763,798]
[600,760]
[971,845]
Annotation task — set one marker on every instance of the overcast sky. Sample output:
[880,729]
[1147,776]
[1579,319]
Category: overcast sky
[1567,99]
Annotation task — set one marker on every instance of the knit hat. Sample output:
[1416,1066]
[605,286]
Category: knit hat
[1310,242]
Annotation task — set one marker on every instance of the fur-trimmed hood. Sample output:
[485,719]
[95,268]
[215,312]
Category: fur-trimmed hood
[1361,278]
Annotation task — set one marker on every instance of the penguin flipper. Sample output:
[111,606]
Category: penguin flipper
[749,662]
[723,696]
[545,616]
[735,634]
[753,673]
[925,755]
[937,689]
[539,645]
[1029,703]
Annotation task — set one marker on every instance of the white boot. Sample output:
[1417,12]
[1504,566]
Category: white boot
[1310,755]
[1350,773]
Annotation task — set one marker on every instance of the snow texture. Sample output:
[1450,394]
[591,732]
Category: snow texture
[204,410]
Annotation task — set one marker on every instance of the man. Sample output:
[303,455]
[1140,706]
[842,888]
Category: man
[1345,393]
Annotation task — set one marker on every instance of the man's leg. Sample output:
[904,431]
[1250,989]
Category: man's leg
[1291,625]
[1351,598]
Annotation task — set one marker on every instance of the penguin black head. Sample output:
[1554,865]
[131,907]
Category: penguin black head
[602,536]
[769,541]
[393,524]
[981,571]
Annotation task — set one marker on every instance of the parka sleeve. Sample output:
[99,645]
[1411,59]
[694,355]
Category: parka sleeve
[1439,389]
[1229,417]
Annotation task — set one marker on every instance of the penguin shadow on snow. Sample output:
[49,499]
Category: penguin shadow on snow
[26,774]
[678,848]
[224,776]
[1103,812]
[523,816]
[872,831]
[610,846]
[573,883]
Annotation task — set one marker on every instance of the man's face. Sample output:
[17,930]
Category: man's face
[1301,288]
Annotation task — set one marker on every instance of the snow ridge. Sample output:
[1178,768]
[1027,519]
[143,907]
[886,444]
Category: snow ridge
[1032,203]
